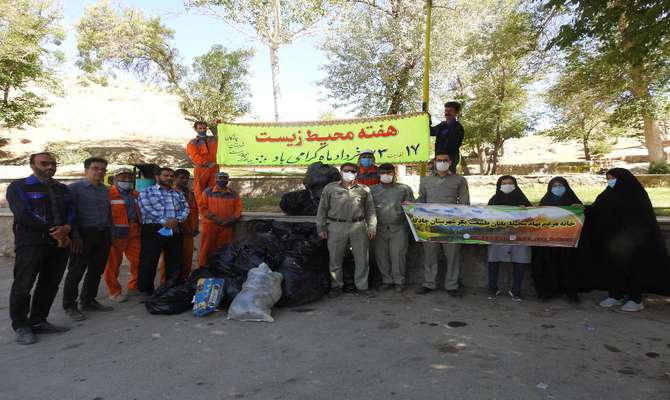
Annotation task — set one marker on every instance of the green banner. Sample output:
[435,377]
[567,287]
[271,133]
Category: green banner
[530,226]
[392,138]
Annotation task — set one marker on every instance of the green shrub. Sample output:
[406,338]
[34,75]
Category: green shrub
[659,168]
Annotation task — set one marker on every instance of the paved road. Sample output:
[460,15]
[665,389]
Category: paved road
[389,347]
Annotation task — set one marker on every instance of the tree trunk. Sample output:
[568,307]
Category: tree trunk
[587,149]
[274,57]
[481,157]
[652,139]
[464,166]
[403,79]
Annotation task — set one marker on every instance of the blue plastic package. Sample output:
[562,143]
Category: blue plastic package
[207,296]
[165,231]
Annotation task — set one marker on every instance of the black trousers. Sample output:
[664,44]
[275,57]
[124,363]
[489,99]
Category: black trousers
[91,261]
[153,245]
[44,264]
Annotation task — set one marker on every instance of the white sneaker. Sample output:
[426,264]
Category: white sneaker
[610,302]
[632,306]
[119,298]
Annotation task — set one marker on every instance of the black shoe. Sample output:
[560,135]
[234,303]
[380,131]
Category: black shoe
[423,290]
[48,327]
[493,293]
[455,293]
[94,305]
[349,289]
[74,314]
[25,335]
[386,286]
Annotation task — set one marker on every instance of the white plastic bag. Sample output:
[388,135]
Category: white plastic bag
[260,292]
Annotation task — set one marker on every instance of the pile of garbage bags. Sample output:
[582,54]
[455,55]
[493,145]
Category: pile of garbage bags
[306,201]
[292,249]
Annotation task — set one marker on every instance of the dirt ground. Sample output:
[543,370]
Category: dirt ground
[388,347]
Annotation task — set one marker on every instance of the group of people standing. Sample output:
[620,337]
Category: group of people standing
[87,228]
[94,226]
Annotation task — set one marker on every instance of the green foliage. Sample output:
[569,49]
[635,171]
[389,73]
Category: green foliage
[125,39]
[375,58]
[503,60]
[629,43]
[28,31]
[659,168]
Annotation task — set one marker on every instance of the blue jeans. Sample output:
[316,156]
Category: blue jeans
[517,276]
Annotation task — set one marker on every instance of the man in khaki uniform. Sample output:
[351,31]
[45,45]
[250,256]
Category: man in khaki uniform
[390,244]
[448,188]
[346,215]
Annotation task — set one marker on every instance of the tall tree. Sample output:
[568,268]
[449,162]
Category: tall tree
[215,88]
[374,58]
[503,60]
[273,23]
[582,104]
[29,30]
[632,38]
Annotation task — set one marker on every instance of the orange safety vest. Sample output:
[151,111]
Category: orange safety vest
[119,212]
[202,151]
[368,176]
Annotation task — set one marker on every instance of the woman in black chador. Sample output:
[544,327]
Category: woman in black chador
[555,268]
[622,247]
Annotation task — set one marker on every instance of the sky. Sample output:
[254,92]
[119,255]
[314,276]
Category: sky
[299,62]
[195,34]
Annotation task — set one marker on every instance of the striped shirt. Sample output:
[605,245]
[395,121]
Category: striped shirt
[157,205]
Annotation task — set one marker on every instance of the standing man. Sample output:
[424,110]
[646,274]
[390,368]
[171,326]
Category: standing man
[448,188]
[346,215]
[221,208]
[392,240]
[202,152]
[43,217]
[367,173]
[92,239]
[189,228]
[163,209]
[125,234]
[449,134]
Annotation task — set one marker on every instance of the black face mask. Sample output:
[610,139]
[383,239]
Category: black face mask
[222,184]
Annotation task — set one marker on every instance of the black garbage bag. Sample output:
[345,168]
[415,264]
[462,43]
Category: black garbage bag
[171,300]
[301,286]
[299,202]
[319,175]
[203,273]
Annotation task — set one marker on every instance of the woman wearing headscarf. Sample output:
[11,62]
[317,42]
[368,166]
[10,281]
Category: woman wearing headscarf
[508,194]
[629,254]
[555,268]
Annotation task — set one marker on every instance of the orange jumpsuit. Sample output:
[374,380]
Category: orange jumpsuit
[225,204]
[128,244]
[190,226]
[202,151]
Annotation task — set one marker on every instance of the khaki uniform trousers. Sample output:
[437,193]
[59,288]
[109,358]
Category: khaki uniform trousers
[340,236]
[452,253]
[390,250]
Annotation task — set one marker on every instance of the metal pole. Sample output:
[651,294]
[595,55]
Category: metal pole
[426,68]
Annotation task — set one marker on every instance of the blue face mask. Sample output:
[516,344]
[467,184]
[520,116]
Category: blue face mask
[558,191]
[611,182]
[202,134]
[366,162]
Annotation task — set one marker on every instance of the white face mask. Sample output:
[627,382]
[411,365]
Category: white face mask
[507,189]
[348,176]
[442,165]
[386,178]
[124,185]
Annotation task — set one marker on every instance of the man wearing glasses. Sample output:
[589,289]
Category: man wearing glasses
[43,216]
[346,217]
[91,240]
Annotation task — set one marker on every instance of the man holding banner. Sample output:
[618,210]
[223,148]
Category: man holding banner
[346,216]
[448,188]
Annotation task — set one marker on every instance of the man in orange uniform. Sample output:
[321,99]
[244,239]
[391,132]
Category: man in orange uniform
[367,170]
[125,234]
[188,228]
[221,208]
[202,152]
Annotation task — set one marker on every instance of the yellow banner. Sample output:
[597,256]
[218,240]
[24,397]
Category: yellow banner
[392,138]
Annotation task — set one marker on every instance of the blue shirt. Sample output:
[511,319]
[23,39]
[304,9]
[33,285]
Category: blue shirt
[157,205]
[92,204]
